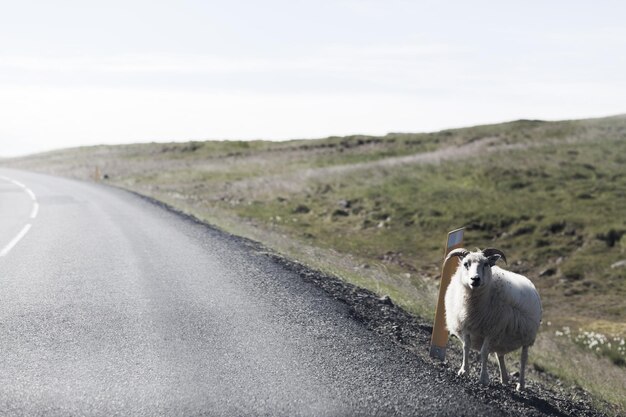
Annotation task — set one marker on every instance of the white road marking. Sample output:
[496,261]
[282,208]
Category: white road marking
[30,193]
[19,184]
[33,214]
[15,240]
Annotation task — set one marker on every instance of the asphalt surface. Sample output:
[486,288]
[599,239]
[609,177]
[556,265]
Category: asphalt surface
[113,305]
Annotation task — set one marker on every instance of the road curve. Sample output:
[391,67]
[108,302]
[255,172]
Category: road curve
[112,305]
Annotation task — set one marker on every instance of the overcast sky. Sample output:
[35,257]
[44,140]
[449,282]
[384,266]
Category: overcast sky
[85,72]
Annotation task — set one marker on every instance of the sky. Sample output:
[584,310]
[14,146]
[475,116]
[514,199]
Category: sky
[76,73]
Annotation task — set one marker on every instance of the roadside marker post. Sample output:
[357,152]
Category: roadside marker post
[440,331]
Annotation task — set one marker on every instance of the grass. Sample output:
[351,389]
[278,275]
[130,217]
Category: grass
[375,210]
[597,375]
[547,214]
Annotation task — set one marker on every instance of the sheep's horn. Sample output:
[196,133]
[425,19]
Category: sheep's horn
[491,251]
[460,252]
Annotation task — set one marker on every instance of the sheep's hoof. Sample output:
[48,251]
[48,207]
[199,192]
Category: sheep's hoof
[484,379]
[519,387]
[461,372]
[504,380]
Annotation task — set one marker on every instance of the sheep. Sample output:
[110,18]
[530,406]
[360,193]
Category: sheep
[491,310]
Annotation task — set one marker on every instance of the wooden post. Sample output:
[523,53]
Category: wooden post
[96,174]
[440,331]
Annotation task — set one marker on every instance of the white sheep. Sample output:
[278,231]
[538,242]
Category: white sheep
[491,310]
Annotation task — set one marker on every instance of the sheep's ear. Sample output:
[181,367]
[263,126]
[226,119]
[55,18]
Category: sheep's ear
[460,252]
[493,259]
[494,255]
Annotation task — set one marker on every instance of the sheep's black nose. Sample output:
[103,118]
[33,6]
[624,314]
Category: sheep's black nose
[475,280]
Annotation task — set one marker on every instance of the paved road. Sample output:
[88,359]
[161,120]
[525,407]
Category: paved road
[111,305]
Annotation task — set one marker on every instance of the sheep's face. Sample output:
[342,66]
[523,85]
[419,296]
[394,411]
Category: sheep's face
[475,267]
[476,271]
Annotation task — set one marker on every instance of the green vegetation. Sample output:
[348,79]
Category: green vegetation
[375,211]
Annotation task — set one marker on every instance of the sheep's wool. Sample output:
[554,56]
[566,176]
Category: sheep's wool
[507,309]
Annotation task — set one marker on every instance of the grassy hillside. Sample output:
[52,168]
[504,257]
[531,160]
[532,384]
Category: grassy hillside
[375,211]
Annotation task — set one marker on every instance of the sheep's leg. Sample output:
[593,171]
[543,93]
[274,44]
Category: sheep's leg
[522,368]
[504,375]
[484,355]
[466,351]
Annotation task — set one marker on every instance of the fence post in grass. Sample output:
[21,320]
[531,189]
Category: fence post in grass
[440,331]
